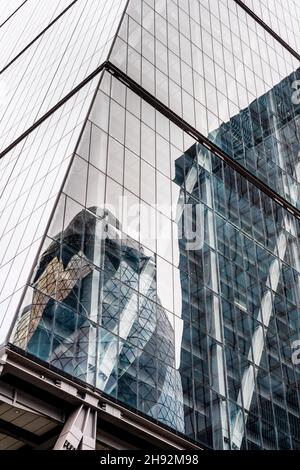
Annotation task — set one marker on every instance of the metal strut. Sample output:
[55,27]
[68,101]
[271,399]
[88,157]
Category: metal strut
[79,431]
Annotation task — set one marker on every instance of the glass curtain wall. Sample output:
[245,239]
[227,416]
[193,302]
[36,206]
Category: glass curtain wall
[169,282]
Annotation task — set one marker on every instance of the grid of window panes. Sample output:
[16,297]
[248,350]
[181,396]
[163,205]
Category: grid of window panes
[208,61]
[39,72]
[265,138]
[27,22]
[282,17]
[199,338]
[32,174]
[75,45]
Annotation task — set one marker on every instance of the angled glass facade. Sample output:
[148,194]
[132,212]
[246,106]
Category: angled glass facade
[281,17]
[166,272]
[208,61]
[39,70]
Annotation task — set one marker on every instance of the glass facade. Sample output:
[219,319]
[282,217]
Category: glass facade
[166,278]
[281,17]
[43,67]
[59,60]
[220,71]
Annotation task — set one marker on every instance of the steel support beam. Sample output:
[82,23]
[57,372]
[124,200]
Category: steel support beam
[28,438]
[76,394]
[79,432]
[23,401]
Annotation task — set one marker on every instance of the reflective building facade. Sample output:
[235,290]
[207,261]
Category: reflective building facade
[150,209]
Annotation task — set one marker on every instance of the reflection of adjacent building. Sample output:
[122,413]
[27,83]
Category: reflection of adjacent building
[253,347]
[264,137]
[94,315]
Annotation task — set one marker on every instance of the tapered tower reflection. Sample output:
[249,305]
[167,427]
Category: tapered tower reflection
[104,324]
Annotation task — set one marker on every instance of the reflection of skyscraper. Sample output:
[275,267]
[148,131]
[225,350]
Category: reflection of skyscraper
[243,137]
[236,280]
[65,283]
[126,318]
[264,137]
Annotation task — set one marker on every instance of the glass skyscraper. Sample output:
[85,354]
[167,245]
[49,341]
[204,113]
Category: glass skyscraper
[149,210]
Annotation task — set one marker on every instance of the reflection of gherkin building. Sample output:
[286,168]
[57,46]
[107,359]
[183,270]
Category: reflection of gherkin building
[149,294]
[92,279]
